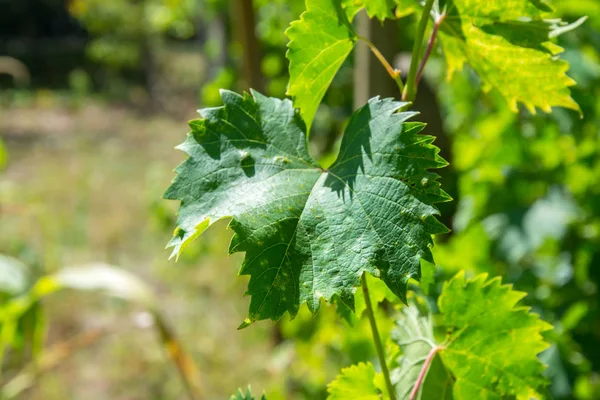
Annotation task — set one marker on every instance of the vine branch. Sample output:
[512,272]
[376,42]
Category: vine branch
[423,372]
[436,28]
[392,72]
[410,90]
[377,339]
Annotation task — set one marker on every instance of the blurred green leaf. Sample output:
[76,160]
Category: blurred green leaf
[508,45]
[355,382]
[490,346]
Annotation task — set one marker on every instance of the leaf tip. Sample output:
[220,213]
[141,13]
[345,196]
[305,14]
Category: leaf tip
[246,323]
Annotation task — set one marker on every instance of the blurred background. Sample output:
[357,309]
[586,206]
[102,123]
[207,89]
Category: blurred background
[94,96]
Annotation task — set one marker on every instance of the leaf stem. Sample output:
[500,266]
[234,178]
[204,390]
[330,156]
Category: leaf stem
[423,372]
[436,28]
[377,339]
[392,72]
[410,90]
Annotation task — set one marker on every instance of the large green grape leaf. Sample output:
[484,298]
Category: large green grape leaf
[310,233]
[355,382]
[490,349]
[320,41]
[507,44]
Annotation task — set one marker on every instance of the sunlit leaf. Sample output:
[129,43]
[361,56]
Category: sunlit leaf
[508,45]
[310,233]
[319,43]
[355,382]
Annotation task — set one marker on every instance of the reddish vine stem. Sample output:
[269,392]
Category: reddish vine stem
[436,28]
[423,372]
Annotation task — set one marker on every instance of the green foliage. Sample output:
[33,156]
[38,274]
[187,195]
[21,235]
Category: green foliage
[209,95]
[355,382]
[123,30]
[490,347]
[249,161]
[311,233]
[508,45]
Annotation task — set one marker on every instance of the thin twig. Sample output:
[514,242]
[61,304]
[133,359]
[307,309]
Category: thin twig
[377,339]
[410,90]
[436,28]
[392,72]
[423,372]
[49,359]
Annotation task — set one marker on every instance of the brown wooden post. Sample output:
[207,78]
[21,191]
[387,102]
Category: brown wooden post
[244,25]
[370,77]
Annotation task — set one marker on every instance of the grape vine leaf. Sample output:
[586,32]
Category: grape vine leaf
[310,233]
[247,395]
[491,345]
[508,45]
[355,382]
[319,43]
[322,39]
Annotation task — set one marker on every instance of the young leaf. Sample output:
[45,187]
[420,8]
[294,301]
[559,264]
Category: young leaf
[310,233]
[355,382]
[507,44]
[415,336]
[319,43]
[491,345]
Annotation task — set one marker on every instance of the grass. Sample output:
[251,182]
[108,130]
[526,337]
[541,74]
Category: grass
[84,184]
